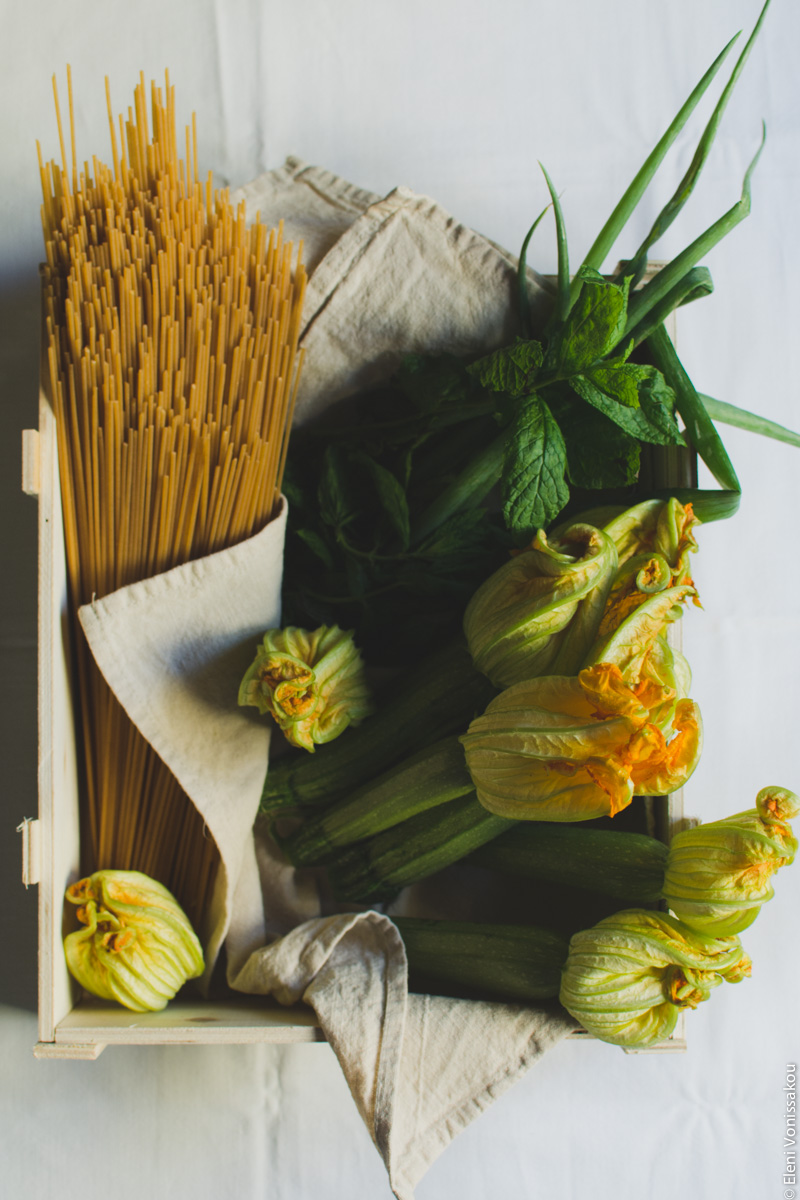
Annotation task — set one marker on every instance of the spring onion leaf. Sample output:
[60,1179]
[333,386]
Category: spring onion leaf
[686,186]
[729,414]
[642,302]
[604,241]
[522,276]
[563,295]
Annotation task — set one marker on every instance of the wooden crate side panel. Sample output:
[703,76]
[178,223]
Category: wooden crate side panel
[58,776]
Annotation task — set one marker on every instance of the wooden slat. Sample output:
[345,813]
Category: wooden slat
[30,462]
[58,776]
[233,1022]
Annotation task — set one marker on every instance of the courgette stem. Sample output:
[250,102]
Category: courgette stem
[627,866]
[379,867]
[433,776]
[508,962]
[438,697]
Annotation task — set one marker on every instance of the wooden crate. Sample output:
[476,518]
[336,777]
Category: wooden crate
[72,1025]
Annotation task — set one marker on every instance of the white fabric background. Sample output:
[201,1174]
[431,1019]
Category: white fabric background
[456,100]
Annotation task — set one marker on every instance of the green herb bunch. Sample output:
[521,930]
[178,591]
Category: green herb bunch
[356,550]
[399,511]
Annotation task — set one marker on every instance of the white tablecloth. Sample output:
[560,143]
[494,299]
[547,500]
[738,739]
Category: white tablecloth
[457,101]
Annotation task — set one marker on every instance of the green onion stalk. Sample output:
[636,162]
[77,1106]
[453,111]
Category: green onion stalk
[625,316]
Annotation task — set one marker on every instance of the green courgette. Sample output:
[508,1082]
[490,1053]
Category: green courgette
[436,698]
[627,866]
[508,962]
[433,776]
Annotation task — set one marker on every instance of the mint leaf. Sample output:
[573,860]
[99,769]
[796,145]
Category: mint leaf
[533,485]
[390,496]
[511,369]
[657,401]
[318,546]
[464,538]
[599,453]
[650,422]
[337,506]
[619,380]
[641,387]
[594,326]
[431,382]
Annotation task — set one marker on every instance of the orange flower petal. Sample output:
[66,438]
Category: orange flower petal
[661,776]
[613,778]
[605,688]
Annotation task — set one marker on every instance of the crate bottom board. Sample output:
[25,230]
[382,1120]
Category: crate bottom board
[93,1024]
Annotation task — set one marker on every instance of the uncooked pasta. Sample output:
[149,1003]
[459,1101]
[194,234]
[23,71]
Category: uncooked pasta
[172,332]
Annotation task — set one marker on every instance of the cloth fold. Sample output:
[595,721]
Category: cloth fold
[194,630]
[388,276]
[420,1067]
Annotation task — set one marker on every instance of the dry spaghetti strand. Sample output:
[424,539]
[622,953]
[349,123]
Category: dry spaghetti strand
[173,363]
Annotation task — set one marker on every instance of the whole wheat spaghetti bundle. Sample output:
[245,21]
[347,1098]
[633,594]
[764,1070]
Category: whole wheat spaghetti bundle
[172,343]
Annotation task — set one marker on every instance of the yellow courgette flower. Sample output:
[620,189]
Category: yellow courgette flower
[135,944]
[539,613]
[718,875]
[627,979]
[565,748]
[312,683]
[653,541]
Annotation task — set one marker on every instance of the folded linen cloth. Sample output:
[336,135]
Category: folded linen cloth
[420,1067]
[389,276]
[402,277]
[194,629]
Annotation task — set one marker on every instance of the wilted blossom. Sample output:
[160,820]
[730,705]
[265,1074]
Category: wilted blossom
[719,874]
[627,979]
[136,944]
[311,683]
